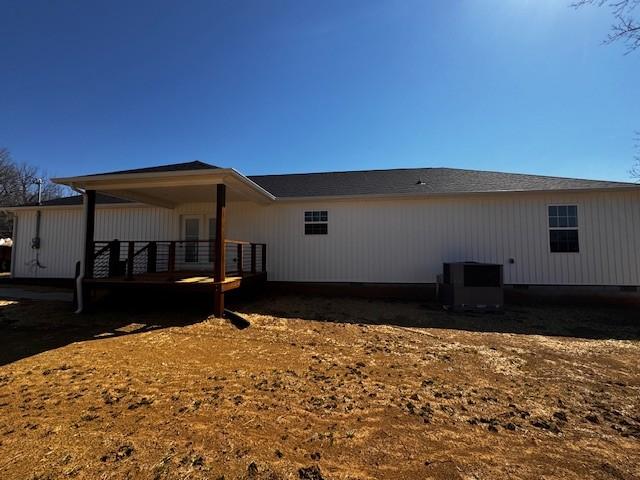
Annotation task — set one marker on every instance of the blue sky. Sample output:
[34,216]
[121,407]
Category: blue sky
[295,86]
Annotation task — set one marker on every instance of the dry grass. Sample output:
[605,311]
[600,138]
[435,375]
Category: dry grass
[382,390]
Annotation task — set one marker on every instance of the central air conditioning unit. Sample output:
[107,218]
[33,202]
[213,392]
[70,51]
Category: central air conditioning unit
[471,286]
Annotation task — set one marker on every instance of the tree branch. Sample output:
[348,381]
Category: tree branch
[626,27]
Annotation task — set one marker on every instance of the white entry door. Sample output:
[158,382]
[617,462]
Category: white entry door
[194,251]
[191,234]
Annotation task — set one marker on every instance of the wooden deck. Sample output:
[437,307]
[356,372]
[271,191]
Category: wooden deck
[205,265]
[179,279]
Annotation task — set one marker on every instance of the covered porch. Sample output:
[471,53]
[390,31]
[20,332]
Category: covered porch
[198,256]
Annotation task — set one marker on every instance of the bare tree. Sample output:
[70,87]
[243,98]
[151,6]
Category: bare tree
[635,170]
[626,26]
[6,172]
[19,186]
[24,185]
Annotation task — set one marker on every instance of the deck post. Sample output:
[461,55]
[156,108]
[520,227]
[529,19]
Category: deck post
[239,255]
[219,266]
[152,256]
[171,262]
[253,258]
[89,199]
[114,258]
[130,253]
[264,257]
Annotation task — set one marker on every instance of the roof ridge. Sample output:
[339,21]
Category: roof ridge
[158,168]
[441,168]
[346,171]
[535,175]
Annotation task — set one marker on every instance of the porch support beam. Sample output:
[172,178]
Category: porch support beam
[219,267]
[82,289]
[89,200]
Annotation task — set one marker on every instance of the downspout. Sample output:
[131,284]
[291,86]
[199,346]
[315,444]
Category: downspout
[80,278]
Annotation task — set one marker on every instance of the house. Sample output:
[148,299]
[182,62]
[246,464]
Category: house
[160,224]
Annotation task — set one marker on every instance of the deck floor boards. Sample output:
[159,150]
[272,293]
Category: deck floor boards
[178,279]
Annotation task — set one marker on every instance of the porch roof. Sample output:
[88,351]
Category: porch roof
[170,185]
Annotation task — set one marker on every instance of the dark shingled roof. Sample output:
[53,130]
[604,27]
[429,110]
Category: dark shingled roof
[174,167]
[418,181]
[400,181]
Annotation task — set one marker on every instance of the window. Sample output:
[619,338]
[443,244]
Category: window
[563,228]
[319,216]
[315,229]
[563,216]
[315,222]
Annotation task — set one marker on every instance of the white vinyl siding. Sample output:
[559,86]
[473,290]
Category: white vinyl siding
[377,240]
[60,243]
[61,233]
[407,240]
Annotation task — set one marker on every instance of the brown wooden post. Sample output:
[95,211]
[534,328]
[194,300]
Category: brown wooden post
[239,255]
[264,257]
[219,260]
[130,253]
[171,266]
[114,258]
[212,254]
[253,258]
[89,199]
[152,256]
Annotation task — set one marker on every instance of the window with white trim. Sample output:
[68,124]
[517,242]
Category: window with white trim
[563,228]
[316,222]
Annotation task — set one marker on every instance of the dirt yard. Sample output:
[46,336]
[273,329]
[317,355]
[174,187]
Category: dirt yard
[317,388]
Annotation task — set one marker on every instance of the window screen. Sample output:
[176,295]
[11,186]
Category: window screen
[563,216]
[316,222]
[563,228]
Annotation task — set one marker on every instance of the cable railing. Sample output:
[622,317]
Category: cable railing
[127,259]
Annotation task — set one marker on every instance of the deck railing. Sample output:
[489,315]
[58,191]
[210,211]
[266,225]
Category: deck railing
[117,258]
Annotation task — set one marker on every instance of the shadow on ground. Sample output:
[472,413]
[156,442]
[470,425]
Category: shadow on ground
[587,321]
[29,327]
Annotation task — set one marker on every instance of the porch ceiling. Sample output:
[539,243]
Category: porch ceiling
[170,189]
